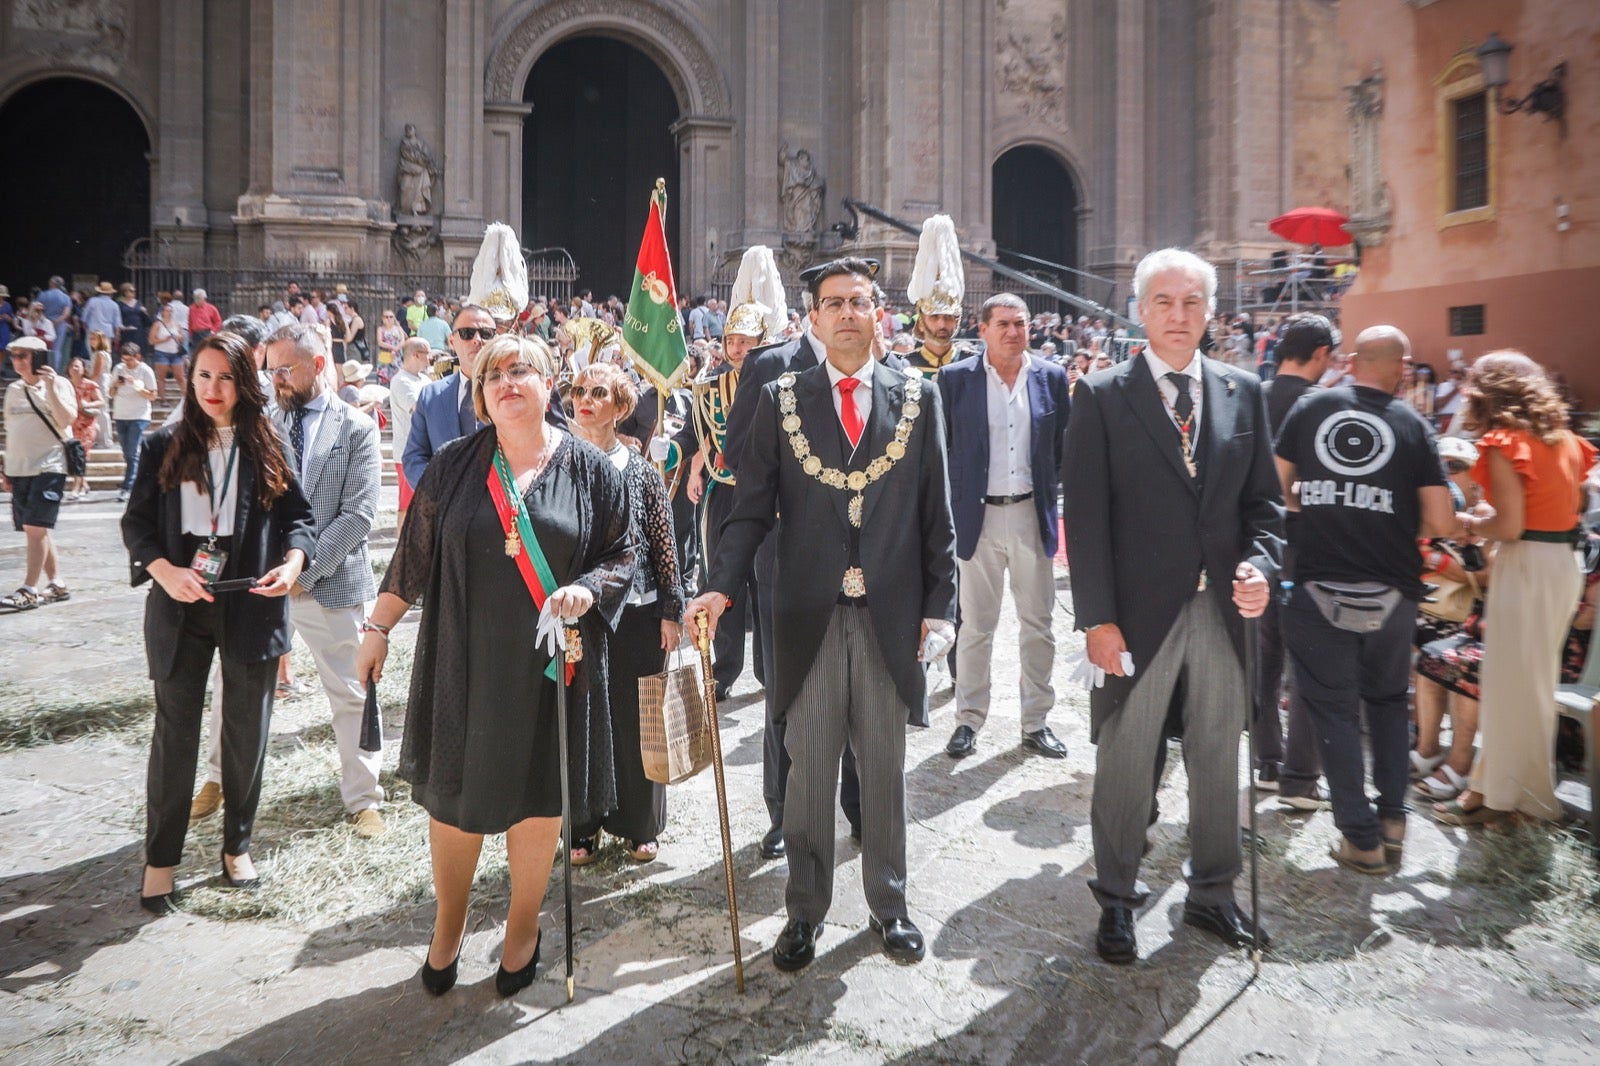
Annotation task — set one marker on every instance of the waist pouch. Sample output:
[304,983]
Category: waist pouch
[1361,608]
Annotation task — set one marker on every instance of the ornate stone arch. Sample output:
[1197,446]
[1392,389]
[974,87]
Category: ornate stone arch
[661,30]
[1020,134]
[24,75]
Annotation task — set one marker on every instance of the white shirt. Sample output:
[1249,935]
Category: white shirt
[403,390]
[1169,392]
[315,409]
[127,405]
[180,313]
[863,393]
[1010,432]
[196,502]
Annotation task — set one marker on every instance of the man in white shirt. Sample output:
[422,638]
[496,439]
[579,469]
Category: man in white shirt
[39,409]
[404,387]
[133,387]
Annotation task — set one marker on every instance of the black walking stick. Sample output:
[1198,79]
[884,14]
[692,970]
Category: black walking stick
[574,655]
[1252,635]
[703,642]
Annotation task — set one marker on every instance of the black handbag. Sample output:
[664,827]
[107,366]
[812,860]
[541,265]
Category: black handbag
[77,457]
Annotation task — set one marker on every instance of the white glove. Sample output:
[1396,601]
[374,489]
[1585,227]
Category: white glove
[552,632]
[941,635]
[660,448]
[1090,675]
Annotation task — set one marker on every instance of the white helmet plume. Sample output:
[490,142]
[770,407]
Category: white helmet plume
[500,274]
[937,281]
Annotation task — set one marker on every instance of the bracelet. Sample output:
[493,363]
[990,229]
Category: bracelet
[369,626]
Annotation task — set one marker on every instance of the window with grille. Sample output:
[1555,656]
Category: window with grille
[1471,153]
[1466,321]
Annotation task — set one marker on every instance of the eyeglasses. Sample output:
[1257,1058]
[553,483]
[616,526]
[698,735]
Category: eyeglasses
[516,373]
[594,392]
[833,305]
[283,373]
[482,333]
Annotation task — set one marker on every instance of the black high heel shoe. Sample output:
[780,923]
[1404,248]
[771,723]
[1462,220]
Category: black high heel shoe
[508,983]
[163,904]
[243,883]
[441,981]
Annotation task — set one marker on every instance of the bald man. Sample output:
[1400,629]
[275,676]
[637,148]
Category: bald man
[1363,471]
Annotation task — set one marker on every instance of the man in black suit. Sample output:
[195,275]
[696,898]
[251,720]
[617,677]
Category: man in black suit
[852,453]
[762,367]
[1174,522]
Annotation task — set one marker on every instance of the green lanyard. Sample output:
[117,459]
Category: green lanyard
[216,498]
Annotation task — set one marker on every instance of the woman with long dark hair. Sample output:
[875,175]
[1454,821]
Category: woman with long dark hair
[214,502]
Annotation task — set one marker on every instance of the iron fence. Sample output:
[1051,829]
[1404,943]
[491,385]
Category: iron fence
[241,285]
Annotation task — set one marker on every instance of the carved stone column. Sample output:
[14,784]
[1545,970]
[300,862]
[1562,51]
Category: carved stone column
[1369,193]
[759,129]
[461,208]
[178,183]
[705,148]
[503,121]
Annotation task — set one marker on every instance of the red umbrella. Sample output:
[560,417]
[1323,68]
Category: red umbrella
[1313,225]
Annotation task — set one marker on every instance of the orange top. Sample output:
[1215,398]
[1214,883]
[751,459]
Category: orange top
[1551,475]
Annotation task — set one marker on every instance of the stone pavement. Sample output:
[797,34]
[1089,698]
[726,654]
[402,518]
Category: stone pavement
[1429,965]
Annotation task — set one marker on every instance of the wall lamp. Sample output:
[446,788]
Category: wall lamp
[1547,98]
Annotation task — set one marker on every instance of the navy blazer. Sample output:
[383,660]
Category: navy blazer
[437,420]
[254,628]
[964,386]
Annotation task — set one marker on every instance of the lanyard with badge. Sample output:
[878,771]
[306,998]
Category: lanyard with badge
[208,560]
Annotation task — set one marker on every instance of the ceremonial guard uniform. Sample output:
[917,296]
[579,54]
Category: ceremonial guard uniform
[936,288]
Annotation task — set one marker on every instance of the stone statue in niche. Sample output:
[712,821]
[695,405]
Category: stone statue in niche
[800,190]
[418,171]
[413,238]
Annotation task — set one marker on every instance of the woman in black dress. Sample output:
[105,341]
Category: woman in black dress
[601,396]
[481,739]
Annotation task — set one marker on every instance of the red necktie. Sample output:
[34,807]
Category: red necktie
[849,413]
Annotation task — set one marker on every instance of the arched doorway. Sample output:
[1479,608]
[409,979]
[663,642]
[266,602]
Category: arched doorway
[1036,214]
[598,137]
[76,184]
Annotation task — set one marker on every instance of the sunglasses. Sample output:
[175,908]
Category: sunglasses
[594,392]
[482,333]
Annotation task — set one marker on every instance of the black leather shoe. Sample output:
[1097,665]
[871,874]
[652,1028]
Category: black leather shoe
[796,946]
[163,904]
[963,742]
[772,846]
[1043,742]
[902,941]
[508,983]
[1224,920]
[1115,940]
[441,981]
[246,884]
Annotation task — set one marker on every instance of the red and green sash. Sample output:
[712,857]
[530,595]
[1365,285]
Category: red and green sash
[518,527]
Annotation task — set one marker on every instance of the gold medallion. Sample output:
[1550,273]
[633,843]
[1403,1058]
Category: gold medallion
[895,450]
[812,465]
[911,410]
[854,510]
[513,545]
[791,424]
[854,584]
[856,481]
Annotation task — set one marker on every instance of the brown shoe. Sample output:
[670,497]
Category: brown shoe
[369,823]
[207,801]
[1351,857]
[1394,840]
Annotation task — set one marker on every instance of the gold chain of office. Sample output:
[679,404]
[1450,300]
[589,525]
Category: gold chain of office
[856,481]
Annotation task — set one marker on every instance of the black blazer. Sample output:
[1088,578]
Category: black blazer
[907,546]
[964,387]
[254,628]
[1139,528]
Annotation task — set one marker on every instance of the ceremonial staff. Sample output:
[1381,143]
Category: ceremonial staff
[573,655]
[1252,635]
[703,642]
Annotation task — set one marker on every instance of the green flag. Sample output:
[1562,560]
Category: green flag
[652,332]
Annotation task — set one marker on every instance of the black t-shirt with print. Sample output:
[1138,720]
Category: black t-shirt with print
[1360,456]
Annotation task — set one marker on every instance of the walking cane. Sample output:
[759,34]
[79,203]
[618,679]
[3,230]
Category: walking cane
[702,625]
[1252,635]
[574,655]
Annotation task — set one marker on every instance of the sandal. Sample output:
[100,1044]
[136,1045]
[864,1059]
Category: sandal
[589,846]
[55,592]
[643,852]
[1453,813]
[24,599]
[282,691]
[1424,765]
[1449,787]
[1394,840]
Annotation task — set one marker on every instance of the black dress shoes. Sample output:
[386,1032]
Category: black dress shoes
[963,742]
[1043,742]
[902,941]
[1224,920]
[772,846]
[796,946]
[1115,940]
[509,982]
[162,904]
[438,982]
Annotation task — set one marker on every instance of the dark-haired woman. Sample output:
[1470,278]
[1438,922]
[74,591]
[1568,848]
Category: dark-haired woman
[214,501]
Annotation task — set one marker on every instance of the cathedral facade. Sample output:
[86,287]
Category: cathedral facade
[1061,135]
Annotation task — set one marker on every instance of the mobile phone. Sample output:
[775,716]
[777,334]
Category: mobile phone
[236,584]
